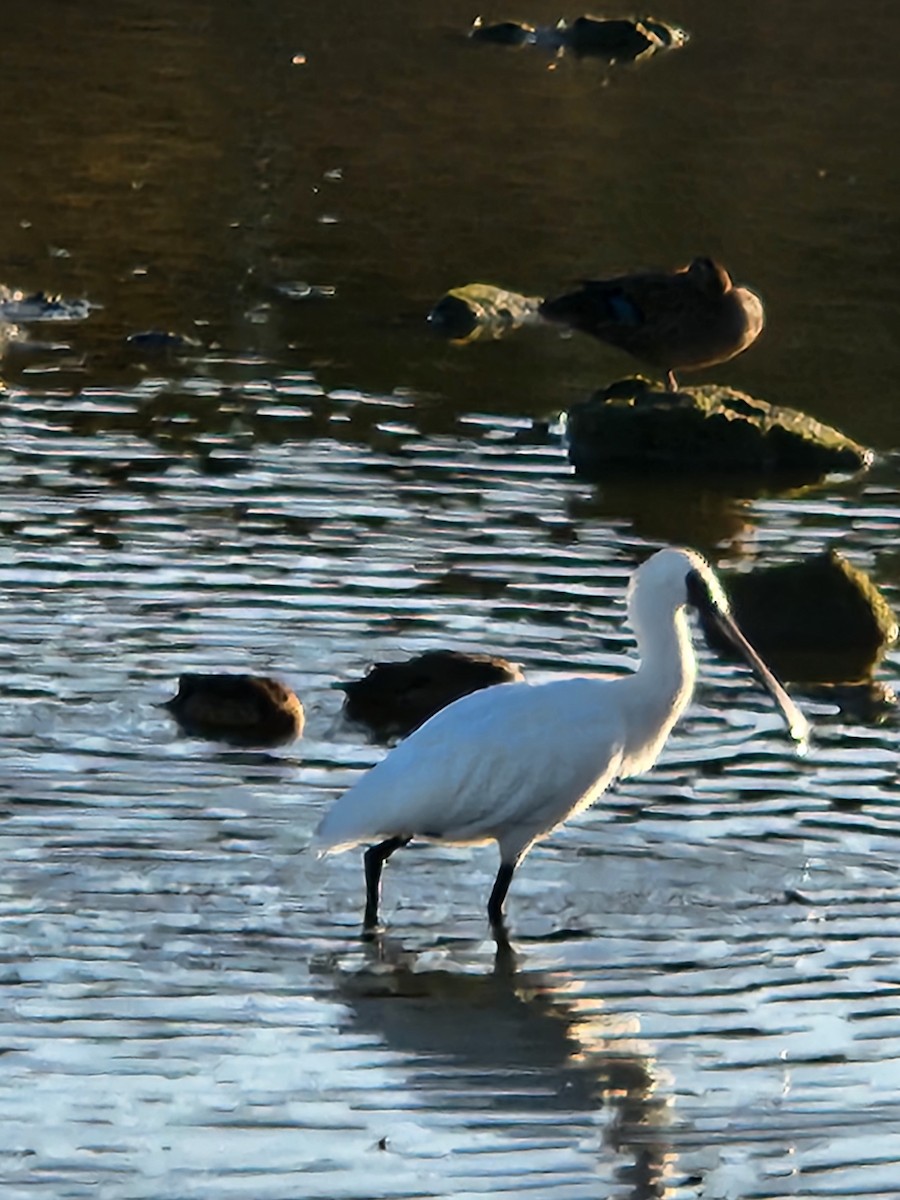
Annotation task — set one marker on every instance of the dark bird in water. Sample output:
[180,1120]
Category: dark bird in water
[394,698]
[246,709]
[674,320]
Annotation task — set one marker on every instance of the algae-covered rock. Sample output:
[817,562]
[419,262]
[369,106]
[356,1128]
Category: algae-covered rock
[481,310]
[820,619]
[709,428]
[18,307]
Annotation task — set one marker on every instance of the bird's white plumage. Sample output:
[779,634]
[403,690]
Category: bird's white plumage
[510,763]
[449,782]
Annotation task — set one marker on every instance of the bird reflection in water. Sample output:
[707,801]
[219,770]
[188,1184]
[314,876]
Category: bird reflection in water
[521,1045]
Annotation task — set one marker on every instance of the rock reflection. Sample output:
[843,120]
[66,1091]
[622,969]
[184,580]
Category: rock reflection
[520,1051]
[698,512]
[714,513]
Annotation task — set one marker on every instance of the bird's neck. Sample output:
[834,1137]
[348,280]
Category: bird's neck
[662,686]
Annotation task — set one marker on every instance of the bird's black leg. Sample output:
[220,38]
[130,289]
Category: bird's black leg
[498,895]
[375,858]
[671,382]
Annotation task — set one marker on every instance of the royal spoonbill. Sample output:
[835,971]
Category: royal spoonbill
[509,764]
[249,709]
[394,698]
[674,320]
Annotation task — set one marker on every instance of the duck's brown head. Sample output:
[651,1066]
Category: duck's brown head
[710,276]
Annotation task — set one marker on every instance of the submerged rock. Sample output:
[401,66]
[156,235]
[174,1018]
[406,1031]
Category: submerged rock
[301,290]
[249,710]
[394,698]
[616,40]
[38,306]
[817,620]
[711,428]
[159,341]
[481,310]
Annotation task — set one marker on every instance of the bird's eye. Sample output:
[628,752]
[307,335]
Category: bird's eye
[697,592]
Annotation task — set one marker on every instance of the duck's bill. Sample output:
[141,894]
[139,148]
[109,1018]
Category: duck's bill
[797,724]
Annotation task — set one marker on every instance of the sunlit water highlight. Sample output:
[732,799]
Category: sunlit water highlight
[704,1002]
[705,998]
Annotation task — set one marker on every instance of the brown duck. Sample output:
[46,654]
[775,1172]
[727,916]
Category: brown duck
[674,320]
[394,698]
[246,709]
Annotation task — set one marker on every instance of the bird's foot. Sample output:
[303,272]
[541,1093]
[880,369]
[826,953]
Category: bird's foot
[372,928]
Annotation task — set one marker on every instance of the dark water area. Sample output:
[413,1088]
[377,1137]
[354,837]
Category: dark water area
[184,164]
[704,995]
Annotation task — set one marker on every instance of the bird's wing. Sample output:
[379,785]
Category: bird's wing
[598,303]
[514,756]
[642,314]
[656,317]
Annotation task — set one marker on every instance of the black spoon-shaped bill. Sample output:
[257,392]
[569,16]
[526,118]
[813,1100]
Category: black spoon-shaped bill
[714,605]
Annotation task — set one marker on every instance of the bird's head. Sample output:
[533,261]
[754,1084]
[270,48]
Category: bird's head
[673,579]
[710,276]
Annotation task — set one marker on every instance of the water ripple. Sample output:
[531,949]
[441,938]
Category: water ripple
[705,1000]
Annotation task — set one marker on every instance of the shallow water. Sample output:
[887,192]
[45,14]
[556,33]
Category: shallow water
[704,996]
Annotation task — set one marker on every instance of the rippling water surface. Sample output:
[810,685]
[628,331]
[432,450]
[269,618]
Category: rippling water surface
[703,999]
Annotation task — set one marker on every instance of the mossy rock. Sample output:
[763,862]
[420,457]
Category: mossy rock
[821,619]
[711,428]
[481,310]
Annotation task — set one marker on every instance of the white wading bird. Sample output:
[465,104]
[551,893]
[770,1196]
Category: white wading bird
[511,763]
